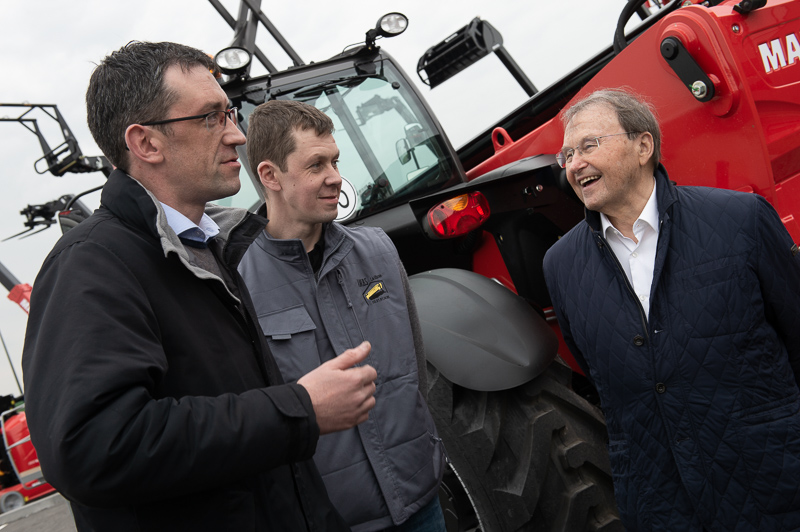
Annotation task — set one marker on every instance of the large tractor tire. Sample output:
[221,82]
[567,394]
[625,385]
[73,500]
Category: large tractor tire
[530,458]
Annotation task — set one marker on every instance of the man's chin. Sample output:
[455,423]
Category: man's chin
[228,191]
[591,199]
[328,216]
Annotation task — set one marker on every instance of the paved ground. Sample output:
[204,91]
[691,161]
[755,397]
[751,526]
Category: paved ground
[50,514]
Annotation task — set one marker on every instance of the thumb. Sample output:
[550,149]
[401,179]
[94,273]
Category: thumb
[351,357]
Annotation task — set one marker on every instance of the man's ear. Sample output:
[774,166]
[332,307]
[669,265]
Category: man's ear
[645,148]
[144,144]
[267,174]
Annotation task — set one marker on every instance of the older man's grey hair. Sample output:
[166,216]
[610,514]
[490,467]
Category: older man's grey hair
[634,114]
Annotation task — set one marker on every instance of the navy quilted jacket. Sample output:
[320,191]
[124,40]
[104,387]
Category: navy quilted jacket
[702,400]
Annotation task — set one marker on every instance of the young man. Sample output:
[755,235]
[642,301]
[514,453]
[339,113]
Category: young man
[317,287]
[152,398]
[682,305]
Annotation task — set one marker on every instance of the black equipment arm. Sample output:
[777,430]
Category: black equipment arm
[67,156]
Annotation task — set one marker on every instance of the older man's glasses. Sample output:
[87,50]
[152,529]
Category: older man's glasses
[586,147]
[214,119]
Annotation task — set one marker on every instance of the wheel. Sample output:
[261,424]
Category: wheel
[11,501]
[530,458]
[460,514]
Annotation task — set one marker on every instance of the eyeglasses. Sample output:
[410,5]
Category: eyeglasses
[213,119]
[586,147]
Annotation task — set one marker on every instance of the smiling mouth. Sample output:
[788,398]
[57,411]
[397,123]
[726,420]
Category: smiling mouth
[586,180]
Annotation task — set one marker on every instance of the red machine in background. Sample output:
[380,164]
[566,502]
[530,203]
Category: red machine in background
[20,474]
[21,477]
[726,85]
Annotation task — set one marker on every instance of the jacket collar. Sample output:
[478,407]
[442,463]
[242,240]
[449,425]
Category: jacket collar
[292,249]
[238,229]
[666,196]
[138,208]
[129,201]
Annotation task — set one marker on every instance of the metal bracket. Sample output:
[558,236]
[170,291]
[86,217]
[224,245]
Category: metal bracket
[687,69]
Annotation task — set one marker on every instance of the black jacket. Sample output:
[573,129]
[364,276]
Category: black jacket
[151,396]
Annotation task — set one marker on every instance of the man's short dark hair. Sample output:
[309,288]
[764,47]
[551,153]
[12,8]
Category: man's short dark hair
[271,127]
[633,113]
[127,87]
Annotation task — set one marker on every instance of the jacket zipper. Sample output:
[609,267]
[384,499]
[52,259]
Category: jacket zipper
[604,244]
[340,278]
[440,442]
[325,254]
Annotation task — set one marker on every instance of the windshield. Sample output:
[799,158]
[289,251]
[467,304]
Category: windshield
[390,149]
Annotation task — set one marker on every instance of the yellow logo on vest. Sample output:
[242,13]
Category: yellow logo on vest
[375,292]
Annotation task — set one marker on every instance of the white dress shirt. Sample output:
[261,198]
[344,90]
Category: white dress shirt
[186,228]
[637,258]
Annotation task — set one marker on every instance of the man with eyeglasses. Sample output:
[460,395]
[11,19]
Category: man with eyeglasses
[682,306]
[152,398]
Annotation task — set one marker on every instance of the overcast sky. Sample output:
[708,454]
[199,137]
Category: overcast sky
[51,46]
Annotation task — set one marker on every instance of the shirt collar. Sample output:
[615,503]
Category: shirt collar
[186,228]
[649,215]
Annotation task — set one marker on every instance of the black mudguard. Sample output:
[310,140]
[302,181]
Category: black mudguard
[479,334]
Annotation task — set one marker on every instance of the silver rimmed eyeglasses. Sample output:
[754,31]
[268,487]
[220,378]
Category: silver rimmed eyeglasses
[213,119]
[586,147]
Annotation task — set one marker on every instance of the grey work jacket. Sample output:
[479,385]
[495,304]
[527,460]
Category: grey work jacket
[383,471]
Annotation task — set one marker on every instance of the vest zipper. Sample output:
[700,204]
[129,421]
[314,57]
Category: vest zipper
[340,278]
[440,442]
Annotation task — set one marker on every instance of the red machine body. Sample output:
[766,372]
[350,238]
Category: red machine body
[17,440]
[21,295]
[22,474]
[748,134]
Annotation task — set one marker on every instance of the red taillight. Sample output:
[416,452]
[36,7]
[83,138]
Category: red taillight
[458,216]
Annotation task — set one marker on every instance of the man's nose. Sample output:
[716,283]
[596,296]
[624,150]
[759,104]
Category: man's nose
[576,162]
[334,177]
[232,134]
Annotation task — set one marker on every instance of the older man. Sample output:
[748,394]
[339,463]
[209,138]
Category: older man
[318,288]
[152,398]
[682,305]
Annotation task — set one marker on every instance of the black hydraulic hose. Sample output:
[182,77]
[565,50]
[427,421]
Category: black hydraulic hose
[69,204]
[620,42]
